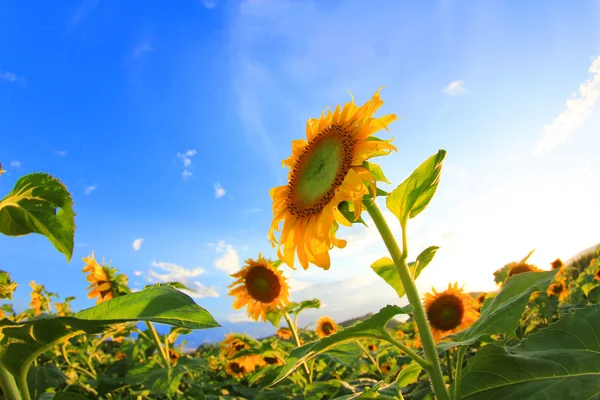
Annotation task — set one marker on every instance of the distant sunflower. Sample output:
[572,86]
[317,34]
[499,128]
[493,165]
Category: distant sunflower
[326,169]
[234,343]
[101,283]
[400,334]
[480,301]
[556,264]
[559,289]
[520,267]
[173,356]
[235,369]
[385,368]
[273,361]
[37,299]
[261,287]
[597,274]
[449,311]
[284,333]
[372,347]
[325,327]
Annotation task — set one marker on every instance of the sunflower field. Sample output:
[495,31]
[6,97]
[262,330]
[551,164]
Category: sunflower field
[535,337]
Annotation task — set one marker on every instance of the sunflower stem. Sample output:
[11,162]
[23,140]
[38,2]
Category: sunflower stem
[370,357]
[399,258]
[459,362]
[161,350]
[426,365]
[9,386]
[297,340]
[449,365]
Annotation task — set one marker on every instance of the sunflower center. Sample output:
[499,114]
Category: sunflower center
[320,171]
[262,284]
[557,288]
[236,368]
[445,313]
[270,360]
[327,328]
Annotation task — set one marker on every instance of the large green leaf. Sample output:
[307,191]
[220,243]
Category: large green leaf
[561,361]
[385,268]
[502,313]
[20,343]
[40,203]
[373,327]
[414,194]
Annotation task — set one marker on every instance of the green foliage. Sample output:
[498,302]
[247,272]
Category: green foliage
[7,286]
[373,327]
[40,203]
[502,313]
[385,268]
[274,316]
[561,361]
[414,194]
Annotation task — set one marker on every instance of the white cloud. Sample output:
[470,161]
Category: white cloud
[85,9]
[578,110]
[210,4]
[137,244]
[186,158]
[141,49]
[230,261]
[89,189]
[15,164]
[296,285]
[455,88]
[252,210]
[219,191]
[11,77]
[177,273]
[239,317]
[62,153]
[137,273]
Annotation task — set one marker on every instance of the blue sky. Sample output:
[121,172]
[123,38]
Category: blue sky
[169,124]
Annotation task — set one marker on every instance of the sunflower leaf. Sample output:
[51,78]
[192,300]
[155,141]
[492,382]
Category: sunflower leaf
[40,203]
[347,210]
[561,361]
[414,194]
[373,327]
[376,170]
[503,312]
[385,268]
[21,342]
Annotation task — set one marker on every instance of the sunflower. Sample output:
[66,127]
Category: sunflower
[480,301]
[1,170]
[261,287]
[386,367]
[102,285]
[556,264]
[273,361]
[400,334]
[234,343]
[235,369]
[326,169]
[449,311]
[597,274]
[37,299]
[520,267]
[325,327]
[372,347]
[173,356]
[559,289]
[284,333]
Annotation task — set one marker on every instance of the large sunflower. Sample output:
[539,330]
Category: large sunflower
[101,284]
[449,311]
[261,287]
[325,327]
[326,169]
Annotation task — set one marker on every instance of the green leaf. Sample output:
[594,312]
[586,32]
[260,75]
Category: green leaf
[20,343]
[316,390]
[156,378]
[44,377]
[414,194]
[373,327]
[376,170]
[61,396]
[7,286]
[408,375]
[561,361]
[40,203]
[503,312]
[347,210]
[315,303]
[385,268]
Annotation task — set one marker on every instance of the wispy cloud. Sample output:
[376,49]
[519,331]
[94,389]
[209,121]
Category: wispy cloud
[62,153]
[137,273]
[141,49]
[239,317]
[186,158]
[219,191]
[578,109]
[455,88]
[210,4]
[15,164]
[177,273]
[85,9]
[230,260]
[252,210]
[11,77]
[89,189]
[137,244]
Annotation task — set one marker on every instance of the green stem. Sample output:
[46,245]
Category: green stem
[23,385]
[426,365]
[370,357]
[459,363]
[9,386]
[449,365]
[435,372]
[297,340]
[76,368]
[164,356]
